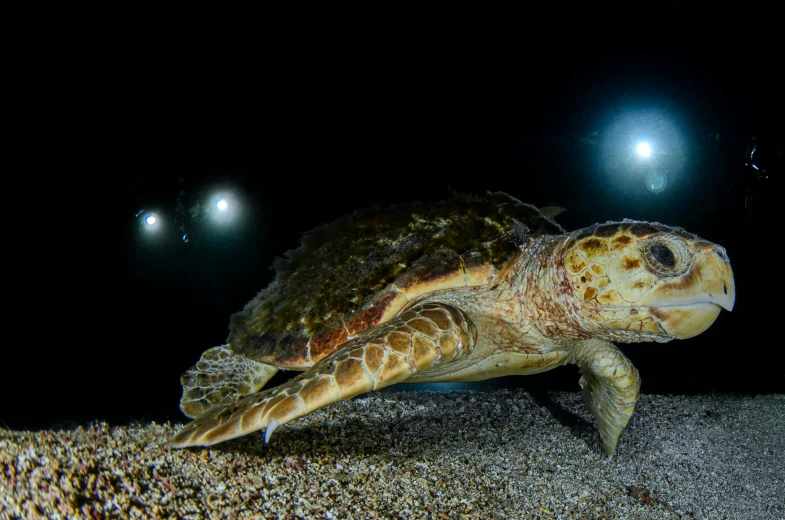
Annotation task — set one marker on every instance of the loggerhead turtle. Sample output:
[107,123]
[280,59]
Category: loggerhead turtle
[464,290]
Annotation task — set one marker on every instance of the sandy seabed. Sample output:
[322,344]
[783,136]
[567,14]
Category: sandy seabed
[499,454]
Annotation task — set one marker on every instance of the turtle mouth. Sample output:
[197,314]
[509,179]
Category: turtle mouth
[726,301]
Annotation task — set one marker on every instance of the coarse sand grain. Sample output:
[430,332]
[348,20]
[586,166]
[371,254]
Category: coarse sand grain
[499,454]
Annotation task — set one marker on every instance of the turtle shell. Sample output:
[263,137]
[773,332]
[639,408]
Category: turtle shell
[363,268]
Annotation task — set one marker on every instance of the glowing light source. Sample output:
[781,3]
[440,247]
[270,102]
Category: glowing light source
[643,149]
[655,180]
[224,206]
[151,223]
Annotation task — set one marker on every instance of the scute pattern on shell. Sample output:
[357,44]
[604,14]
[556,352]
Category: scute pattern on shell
[338,281]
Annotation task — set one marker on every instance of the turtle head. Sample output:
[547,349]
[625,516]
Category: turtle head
[644,281]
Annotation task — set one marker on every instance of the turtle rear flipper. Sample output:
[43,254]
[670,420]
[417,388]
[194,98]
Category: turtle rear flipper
[221,377]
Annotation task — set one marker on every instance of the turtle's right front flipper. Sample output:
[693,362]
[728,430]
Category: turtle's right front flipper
[422,337]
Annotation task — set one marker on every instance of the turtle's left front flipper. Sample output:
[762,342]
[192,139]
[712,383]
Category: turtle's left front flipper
[424,336]
[611,387]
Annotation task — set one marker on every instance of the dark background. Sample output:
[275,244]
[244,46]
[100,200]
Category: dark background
[316,127]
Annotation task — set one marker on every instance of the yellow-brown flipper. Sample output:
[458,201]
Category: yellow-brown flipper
[424,336]
[611,387]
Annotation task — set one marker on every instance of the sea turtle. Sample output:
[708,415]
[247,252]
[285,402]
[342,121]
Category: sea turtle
[467,289]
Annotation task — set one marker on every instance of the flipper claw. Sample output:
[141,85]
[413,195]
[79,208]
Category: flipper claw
[271,426]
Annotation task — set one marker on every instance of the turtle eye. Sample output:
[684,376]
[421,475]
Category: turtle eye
[663,255]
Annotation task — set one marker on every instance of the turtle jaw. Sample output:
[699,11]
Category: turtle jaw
[686,321]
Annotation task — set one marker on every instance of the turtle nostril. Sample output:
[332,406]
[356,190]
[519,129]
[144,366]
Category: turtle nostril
[721,253]
[725,288]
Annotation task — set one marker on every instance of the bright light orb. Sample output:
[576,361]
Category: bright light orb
[150,220]
[643,149]
[655,180]
[222,205]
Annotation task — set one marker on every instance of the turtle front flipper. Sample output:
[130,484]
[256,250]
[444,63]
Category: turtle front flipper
[424,336]
[611,386]
[219,378]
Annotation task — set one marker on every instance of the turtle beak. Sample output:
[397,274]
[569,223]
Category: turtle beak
[687,305]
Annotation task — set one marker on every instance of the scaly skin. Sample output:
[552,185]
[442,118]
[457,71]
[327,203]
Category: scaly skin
[219,378]
[425,336]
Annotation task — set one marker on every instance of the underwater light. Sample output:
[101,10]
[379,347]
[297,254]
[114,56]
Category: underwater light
[224,206]
[150,222]
[643,149]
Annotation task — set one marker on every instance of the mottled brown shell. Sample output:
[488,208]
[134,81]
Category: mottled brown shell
[363,268]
